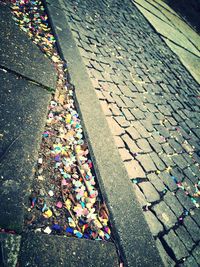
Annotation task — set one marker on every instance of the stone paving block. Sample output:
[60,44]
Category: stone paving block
[196,254]
[165,215]
[19,54]
[114,126]
[156,182]
[128,102]
[140,196]
[125,155]
[184,236]
[10,245]
[118,101]
[190,262]
[165,257]
[148,125]
[144,145]
[175,145]
[133,133]
[146,162]
[173,203]
[167,148]
[155,145]
[134,169]
[131,144]
[115,110]
[154,225]
[149,191]
[42,250]
[141,129]
[108,97]
[176,245]
[184,199]
[192,228]
[128,115]
[180,161]
[158,162]
[167,160]
[126,90]
[122,121]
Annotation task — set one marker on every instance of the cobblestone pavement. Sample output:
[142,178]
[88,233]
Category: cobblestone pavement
[152,107]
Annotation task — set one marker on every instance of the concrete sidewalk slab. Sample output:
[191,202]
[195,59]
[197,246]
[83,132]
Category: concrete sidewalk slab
[19,54]
[9,249]
[23,115]
[55,251]
[129,226]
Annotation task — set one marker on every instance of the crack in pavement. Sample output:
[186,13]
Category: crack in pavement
[5,69]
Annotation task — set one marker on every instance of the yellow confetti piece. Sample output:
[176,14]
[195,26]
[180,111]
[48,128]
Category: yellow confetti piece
[68,204]
[48,213]
[68,118]
[55,59]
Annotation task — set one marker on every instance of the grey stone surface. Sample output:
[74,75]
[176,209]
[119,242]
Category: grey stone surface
[154,225]
[55,251]
[176,245]
[185,237]
[165,257]
[10,245]
[192,228]
[146,162]
[23,116]
[165,215]
[196,254]
[149,191]
[136,244]
[21,55]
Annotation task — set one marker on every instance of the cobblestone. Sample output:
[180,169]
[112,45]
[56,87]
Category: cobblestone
[185,237]
[149,191]
[196,254]
[146,162]
[173,203]
[133,133]
[140,196]
[134,169]
[155,226]
[192,228]
[158,162]
[125,155]
[165,215]
[122,121]
[144,145]
[176,245]
[131,144]
[165,257]
[190,262]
